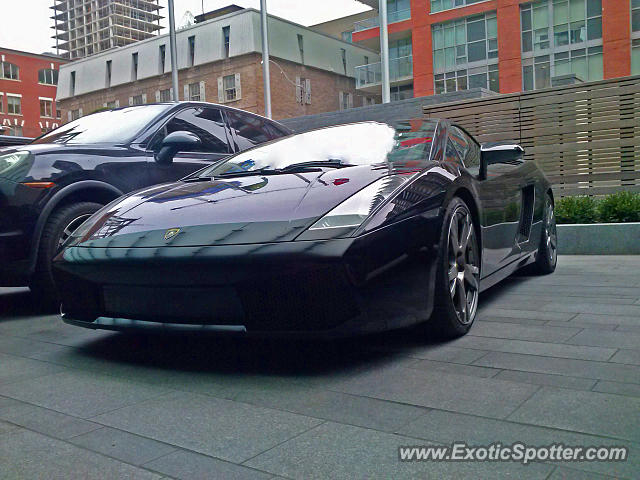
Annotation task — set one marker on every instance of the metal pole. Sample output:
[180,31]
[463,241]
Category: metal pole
[265,60]
[384,51]
[174,51]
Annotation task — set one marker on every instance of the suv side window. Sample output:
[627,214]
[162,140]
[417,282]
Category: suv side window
[206,123]
[467,148]
[250,130]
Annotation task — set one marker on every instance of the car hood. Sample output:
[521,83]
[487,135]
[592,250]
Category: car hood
[237,210]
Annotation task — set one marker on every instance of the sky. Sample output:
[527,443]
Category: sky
[25,24]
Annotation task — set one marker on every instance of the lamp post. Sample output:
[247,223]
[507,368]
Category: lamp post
[265,59]
[384,51]
[174,51]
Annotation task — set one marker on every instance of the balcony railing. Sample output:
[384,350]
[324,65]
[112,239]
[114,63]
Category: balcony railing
[399,69]
[374,22]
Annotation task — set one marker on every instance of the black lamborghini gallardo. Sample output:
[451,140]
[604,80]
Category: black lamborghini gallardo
[354,228]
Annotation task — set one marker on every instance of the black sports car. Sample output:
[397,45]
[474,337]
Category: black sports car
[355,228]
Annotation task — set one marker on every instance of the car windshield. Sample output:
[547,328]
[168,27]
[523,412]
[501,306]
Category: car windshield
[405,144]
[110,126]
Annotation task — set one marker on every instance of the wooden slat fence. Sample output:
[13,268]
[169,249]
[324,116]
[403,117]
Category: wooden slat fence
[585,137]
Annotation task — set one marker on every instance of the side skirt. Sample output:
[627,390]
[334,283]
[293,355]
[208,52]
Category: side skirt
[507,270]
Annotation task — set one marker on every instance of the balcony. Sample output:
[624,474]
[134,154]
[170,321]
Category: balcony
[371,75]
[374,22]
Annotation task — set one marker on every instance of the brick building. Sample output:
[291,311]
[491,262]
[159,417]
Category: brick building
[27,93]
[220,61]
[438,46]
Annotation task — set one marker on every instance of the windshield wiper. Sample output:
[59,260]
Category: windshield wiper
[314,166]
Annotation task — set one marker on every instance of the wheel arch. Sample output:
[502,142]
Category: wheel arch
[84,191]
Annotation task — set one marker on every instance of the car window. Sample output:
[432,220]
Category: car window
[451,154]
[206,123]
[467,148]
[250,130]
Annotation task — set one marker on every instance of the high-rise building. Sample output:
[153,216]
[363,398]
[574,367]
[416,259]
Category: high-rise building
[438,46]
[86,27]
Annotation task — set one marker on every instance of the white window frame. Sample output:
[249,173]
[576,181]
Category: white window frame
[14,95]
[50,101]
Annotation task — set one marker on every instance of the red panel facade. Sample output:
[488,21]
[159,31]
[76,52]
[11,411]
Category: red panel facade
[616,38]
[30,91]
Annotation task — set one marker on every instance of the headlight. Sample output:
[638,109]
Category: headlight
[11,160]
[352,213]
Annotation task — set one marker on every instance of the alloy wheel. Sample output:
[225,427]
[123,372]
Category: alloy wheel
[551,235]
[464,269]
[71,227]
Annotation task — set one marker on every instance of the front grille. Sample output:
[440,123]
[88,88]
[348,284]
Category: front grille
[314,299]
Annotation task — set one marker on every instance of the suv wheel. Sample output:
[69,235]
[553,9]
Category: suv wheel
[60,225]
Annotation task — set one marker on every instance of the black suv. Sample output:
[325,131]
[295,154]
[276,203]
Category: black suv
[52,185]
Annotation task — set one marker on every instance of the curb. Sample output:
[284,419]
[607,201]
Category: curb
[599,239]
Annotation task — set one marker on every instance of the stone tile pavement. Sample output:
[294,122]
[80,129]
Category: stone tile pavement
[552,359]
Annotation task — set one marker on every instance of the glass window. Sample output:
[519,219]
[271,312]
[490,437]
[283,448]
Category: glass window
[9,71]
[206,123]
[194,92]
[229,85]
[527,77]
[48,76]
[635,15]
[14,105]
[123,125]
[635,57]
[462,43]
[165,95]
[46,108]
[249,130]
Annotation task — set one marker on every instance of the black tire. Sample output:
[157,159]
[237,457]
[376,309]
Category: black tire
[458,273]
[61,222]
[547,257]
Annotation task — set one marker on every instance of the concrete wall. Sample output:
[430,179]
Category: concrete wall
[320,51]
[401,110]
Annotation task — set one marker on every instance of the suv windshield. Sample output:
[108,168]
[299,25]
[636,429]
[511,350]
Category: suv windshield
[111,126]
[405,144]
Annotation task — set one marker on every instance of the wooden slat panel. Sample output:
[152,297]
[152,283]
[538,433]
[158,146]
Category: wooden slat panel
[586,137]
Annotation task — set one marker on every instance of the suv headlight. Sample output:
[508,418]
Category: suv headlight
[355,210]
[11,160]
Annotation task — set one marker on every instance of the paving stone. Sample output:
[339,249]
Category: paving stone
[522,332]
[546,379]
[606,339]
[584,326]
[631,389]
[46,421]
[587,412]
[122,445]
[628,328]
[532,314]
[23,347]
[594,308]
[554,350]
[186,465]
[30,455]
[7,427]
[449,427]
[563,473]
[221,428]
[520,321]
[335,406]
[432,366]
[14,369]
[80,394]
[447,354]
[606,319]
[346,452]
[631,357]
[482,396]
[561,366]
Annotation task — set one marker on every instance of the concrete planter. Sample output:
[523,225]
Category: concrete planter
[599,239]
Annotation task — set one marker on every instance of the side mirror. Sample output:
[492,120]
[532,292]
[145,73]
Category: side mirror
[174,143]
[492,153]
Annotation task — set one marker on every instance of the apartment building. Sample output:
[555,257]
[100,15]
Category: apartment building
[220,60]
[86,27]
[438,46]
[28,84]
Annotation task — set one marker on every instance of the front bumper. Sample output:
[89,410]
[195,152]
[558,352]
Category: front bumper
[323,288]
